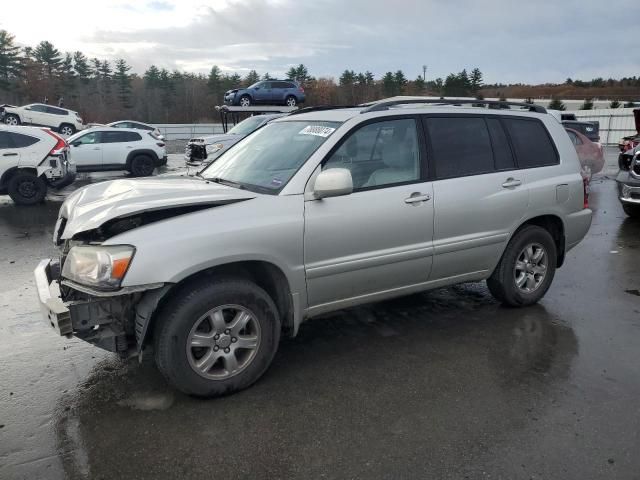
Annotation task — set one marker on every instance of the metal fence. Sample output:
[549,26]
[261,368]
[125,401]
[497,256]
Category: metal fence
[185,131]
[614,123]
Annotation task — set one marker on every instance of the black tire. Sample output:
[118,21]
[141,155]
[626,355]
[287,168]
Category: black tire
[631,210]
[246,99]
[11,119]
[25,188]
[66,129]
[142,166]
[291,101]
[181,313]
[502,283]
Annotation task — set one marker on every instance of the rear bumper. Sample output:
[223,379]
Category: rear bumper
[67,180]
[576,227]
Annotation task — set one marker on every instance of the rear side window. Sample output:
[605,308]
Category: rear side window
[56,111]
[502,154]
[531,142]
[5,140]
[21,141]
[461,146]
[120,137]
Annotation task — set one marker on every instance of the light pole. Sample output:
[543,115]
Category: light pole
[424,73]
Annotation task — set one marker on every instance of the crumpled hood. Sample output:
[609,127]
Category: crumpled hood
[93,205]
[211,139]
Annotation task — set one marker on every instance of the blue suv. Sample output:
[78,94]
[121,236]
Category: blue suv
[271,92]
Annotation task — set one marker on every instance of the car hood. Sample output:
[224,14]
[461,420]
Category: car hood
[211,139]
[90,207]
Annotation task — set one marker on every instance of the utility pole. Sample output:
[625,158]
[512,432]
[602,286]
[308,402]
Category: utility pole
[424,73]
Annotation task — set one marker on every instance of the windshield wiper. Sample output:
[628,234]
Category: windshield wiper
[229,183]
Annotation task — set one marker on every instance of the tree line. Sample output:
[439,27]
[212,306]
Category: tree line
[104,91]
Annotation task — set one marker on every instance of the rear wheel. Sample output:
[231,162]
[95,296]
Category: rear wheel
[291,101]
[526,269]
[25,188]
[12,119]
[632,210]
[142,166]
[245,101]
[217,338]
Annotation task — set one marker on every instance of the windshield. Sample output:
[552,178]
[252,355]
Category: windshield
[266,160]
[257,84]
[247,126]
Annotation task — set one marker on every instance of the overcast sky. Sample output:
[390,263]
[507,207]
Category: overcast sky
[511,41]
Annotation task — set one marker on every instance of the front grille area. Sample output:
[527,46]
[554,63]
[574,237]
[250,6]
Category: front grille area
[198,152]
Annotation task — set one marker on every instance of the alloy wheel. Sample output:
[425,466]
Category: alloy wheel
[531,268]
[291,102]
[223,342]
[11,121]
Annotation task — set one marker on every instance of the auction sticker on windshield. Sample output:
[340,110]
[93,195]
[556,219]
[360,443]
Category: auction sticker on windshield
[317,130]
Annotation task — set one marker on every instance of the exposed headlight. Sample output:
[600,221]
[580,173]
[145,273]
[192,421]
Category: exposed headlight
[102,267]
[214,148]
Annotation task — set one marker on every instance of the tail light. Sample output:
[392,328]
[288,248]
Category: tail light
[585,189]
[301,90]
[60,142]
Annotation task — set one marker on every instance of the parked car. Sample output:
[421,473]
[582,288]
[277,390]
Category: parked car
[271,92]
[207,148]
[628,181]
[590,153]
[591,130]
[137,126]
[32,160]
[631,141]
[66,122]
[109,148]
[313,213]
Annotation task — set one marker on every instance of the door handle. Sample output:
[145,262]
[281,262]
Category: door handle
[9,154]
[511,183]
[97,148]
[417,197]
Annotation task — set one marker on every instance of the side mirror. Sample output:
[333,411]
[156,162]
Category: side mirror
[76,143]
[334,182]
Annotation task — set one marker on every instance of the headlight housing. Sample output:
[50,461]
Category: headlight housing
[102,267]
[214,148]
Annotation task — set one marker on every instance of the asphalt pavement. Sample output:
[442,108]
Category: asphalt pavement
[444,384]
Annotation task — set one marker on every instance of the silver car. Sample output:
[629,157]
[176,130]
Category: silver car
[312,213]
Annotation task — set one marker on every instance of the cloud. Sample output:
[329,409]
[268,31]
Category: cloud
[509,41]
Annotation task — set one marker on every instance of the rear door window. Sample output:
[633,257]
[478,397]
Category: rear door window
[532,143]
[120,137]
[5,140]
[56,111]
[461,146]
[502,154]
[21,141]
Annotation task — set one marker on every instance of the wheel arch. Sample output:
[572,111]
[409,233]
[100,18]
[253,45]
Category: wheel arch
[6,176]
[555,226]
[266,275]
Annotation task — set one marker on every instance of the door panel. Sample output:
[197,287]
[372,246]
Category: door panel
[87,150]
[473,219]
[367,242]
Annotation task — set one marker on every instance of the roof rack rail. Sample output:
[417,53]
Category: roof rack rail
[320,108]
[385,104]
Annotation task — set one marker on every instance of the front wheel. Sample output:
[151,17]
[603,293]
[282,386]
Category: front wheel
[12,120]
[526,269]
[142,166]
[67,130]
[245,101]
[25,188]
[632,210]
[217,338]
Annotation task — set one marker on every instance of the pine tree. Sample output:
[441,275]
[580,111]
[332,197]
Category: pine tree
[152,77]
[587,105]
[266,76]
[400,81]
[10,65]
[123,82]
[556,104]
[389,84]
[251,78]
[419,84]
[81,67]
[68,75]
[475,80]
[49,57]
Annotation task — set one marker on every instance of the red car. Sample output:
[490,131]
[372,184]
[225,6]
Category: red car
[590,153]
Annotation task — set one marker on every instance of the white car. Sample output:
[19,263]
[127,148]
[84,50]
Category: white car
[66,122]
[137,126]
[31,160]
[109,148]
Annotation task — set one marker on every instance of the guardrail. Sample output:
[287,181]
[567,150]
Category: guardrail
[185,131]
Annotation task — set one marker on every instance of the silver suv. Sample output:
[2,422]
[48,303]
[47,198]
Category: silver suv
[317,211]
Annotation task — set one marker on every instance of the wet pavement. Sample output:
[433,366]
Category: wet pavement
[445,384]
